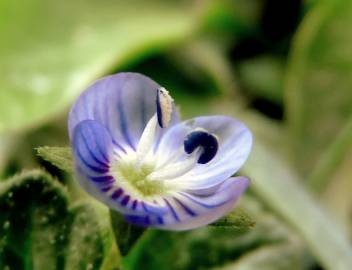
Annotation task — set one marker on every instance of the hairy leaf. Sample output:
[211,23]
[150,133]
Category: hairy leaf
[40,230]
[238,219]
[60,157]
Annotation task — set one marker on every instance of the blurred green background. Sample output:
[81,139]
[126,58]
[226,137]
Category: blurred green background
[282,67]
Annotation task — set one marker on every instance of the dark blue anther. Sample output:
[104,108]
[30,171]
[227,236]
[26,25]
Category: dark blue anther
[158,109]
[206,140]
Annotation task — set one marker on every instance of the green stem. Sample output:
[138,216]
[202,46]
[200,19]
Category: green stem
[126,235]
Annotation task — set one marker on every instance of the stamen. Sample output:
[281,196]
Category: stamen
[201,138]
[163,107]
[146,141]
[162,117]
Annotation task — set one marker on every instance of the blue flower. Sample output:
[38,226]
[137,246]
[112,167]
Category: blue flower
[133,154]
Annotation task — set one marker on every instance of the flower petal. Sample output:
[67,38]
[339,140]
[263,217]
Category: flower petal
[235,141]
[93,151]
[189,211]
[123,103]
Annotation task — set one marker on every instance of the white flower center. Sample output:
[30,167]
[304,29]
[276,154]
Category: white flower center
[138,171]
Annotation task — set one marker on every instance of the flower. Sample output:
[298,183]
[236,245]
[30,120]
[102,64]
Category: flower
[133,154]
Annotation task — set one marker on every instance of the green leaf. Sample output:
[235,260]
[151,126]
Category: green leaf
[6,145]
[89,240]
[270,257]
[231,17]
[280,188]
[26,227]
[318,80]
[206,62]
[263,76]
[60,157]
[40,230]
[51,50]
[337,196]
[332,159]
[238,219]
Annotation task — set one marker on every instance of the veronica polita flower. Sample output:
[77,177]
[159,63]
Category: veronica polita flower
[133,154]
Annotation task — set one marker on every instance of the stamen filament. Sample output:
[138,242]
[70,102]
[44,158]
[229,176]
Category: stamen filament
[180,152]
[176,169]
[146,141]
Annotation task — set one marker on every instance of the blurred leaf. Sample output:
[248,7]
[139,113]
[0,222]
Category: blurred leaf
[51,50]
[263,76]
[337,195]
[232,17]
[21,146]
[270,257]
[204,58]
[279,187]
[6,144]
[332,159]
[319,78]
[39,230]
[237,219]
[60,157]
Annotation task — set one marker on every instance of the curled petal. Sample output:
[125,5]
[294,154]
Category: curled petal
[189,211]
[235,141]
[123,103]
[93,151]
